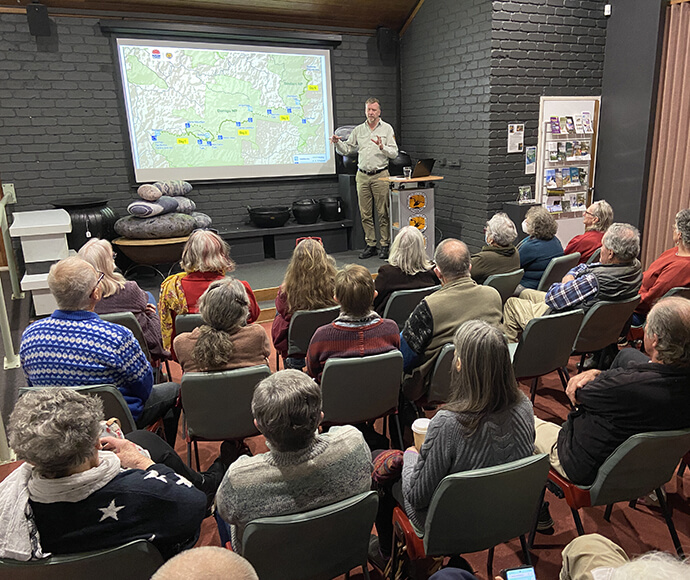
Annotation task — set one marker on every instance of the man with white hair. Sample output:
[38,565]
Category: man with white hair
[206,563]
[74,347]
[596,219]
[499,255]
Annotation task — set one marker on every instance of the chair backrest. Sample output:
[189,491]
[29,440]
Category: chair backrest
[401,303]
[546,343]
[595,256]
[681,291]
[557,268]
[303,325]
[639,465]
[114,404]
[439,384]
[187,323]
[361,388]
[316,545]
[603,323]
[137,560]
[217,405]
[128,320]
[505,283]
[504,504]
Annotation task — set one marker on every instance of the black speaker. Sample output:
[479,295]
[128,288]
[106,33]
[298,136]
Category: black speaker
[386,42]
[39,23]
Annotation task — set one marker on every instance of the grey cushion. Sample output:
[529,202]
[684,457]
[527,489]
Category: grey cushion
[171,225]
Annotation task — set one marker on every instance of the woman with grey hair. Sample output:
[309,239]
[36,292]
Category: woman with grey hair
[596,219]
[225,340]
[78,491]
[669,270]
[498,255]
[408,267]
[540,247]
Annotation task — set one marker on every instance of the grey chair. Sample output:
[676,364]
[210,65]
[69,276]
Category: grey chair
[680,291]
[594,257]
[316,545]
[303,325]
[439,384]
[505,502]
[217,405]
[114,404]
[545,346]
[187,323]
[641,464]
[401,303]
[505,283]
[602,326]
[362,389]
[557,268]
[136,560]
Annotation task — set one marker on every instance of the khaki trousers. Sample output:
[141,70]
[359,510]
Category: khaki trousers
[517,312]
[546,441]
[372,192]
[588,553]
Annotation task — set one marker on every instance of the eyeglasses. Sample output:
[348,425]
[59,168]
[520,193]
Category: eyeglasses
[590,214]
[298,240]
[100,278]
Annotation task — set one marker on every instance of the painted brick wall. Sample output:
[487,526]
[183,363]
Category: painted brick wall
[62,131]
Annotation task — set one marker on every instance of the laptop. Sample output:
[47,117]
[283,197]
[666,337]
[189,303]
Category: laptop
[423,168]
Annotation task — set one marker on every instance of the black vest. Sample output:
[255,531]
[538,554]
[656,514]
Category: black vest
[616,282]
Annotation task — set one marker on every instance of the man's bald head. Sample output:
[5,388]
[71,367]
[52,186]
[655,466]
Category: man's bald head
[71,281]
[207,563]
[452,258]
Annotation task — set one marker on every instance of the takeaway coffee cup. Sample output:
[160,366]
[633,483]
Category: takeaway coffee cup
[407,172]
[419,428]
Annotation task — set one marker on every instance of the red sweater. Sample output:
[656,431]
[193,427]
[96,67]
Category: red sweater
[667,271]
[195,284]
[345,340]
[586,244]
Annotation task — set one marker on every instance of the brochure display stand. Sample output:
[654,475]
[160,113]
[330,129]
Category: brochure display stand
[411,203]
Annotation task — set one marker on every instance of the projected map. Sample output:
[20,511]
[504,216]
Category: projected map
[191,107]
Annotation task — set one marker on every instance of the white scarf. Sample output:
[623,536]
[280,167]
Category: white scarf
[19,539]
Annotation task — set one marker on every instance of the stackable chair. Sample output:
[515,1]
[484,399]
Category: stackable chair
[641,464]
[303,325]
[505,502]
[360,389]
[187,323]
[217,405]
[316,545]
[136,560]
[439,384]
[557,268]
[681,291]
[114,405]
[594,257]
[545,346]
[402,302]
[505,283]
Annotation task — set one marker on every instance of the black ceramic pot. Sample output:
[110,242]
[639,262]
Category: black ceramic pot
[91,218]
[332,209]
[269,217]
[306,211]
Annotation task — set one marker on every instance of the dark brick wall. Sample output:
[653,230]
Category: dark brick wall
[470,67]
[62,131]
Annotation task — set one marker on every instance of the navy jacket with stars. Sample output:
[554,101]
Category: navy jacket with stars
[156,505]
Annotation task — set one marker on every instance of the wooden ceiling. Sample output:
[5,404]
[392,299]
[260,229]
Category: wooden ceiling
[340,14]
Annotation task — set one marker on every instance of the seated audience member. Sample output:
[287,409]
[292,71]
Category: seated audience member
[308,285]
[74,347]
[639,393]
[120,295]
[434,321]
[499,255]
[206,563]
[225,340]
[616,277]
[74,494]
[542,245]
[408,267]
[593,556]
[597,219]
[487,421]
[303,470]
[669,270]
[205,259]
[358,331]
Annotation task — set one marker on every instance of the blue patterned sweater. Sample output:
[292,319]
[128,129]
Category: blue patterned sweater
[75,348]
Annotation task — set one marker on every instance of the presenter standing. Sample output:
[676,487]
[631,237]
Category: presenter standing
[374,141]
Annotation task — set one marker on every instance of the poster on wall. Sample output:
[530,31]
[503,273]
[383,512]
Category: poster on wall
[516,137]
[530,160]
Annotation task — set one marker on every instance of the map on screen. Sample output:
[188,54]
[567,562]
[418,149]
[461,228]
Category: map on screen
[201,111]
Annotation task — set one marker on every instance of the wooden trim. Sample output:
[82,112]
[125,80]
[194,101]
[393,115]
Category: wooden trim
[266,294]
[672,2]
[410,18]
[267,314]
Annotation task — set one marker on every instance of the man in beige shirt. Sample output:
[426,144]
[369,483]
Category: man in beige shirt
[374,141]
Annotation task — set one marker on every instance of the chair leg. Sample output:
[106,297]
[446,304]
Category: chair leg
[564,376]
[578,522]
[490,563]
[681,468]
[533,389]
[347,575]
[533,531]
[396,419]
[607,513]
[196,455]
[189,454]
[525,550]
[669,522]
[582,363]
[277,361]
[365,571]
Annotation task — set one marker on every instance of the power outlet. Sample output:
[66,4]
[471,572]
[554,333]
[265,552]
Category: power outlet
[9,193]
